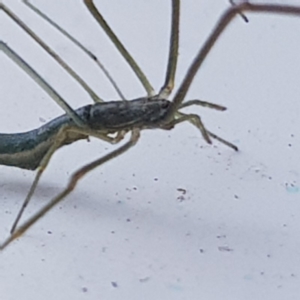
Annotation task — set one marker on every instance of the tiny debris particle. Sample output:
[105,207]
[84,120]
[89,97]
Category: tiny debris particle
[225,249]
[84,289]
[221,236]
[182,190]
[114,284]
[181,198]
[49,232]
[145,279]
[201,250]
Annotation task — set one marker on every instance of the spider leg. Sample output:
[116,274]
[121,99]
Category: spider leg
[42,83]
[78,44]
[135,134]
[115,40]
[168,86]
[51,52]
[223,22]
[59,140]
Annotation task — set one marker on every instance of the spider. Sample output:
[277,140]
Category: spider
[111,121]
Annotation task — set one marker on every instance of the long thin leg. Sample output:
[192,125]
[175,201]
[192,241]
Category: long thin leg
[214,136]
[213,37]
[168,86]
[70,187]
[202,103]
[56,57]
[192,118]
[137,70]
[58,142]
[197,122]
[78,44]
[42,83]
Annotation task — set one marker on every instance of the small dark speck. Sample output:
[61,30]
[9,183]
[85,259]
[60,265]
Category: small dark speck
[155,179]
[236,196]
[112,232]
[114,284]
[180,198]
[128,220]
[201,250]
[145,279]
[84,289]
[221,236]
[269,255]
[290,145]
[262,273]
[49,232]
[182,190]
[225,249]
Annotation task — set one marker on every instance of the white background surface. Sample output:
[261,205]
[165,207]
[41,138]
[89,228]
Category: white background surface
[127,232]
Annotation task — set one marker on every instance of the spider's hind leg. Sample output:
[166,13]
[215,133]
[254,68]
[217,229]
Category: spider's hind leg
[135,134]
[62,137]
